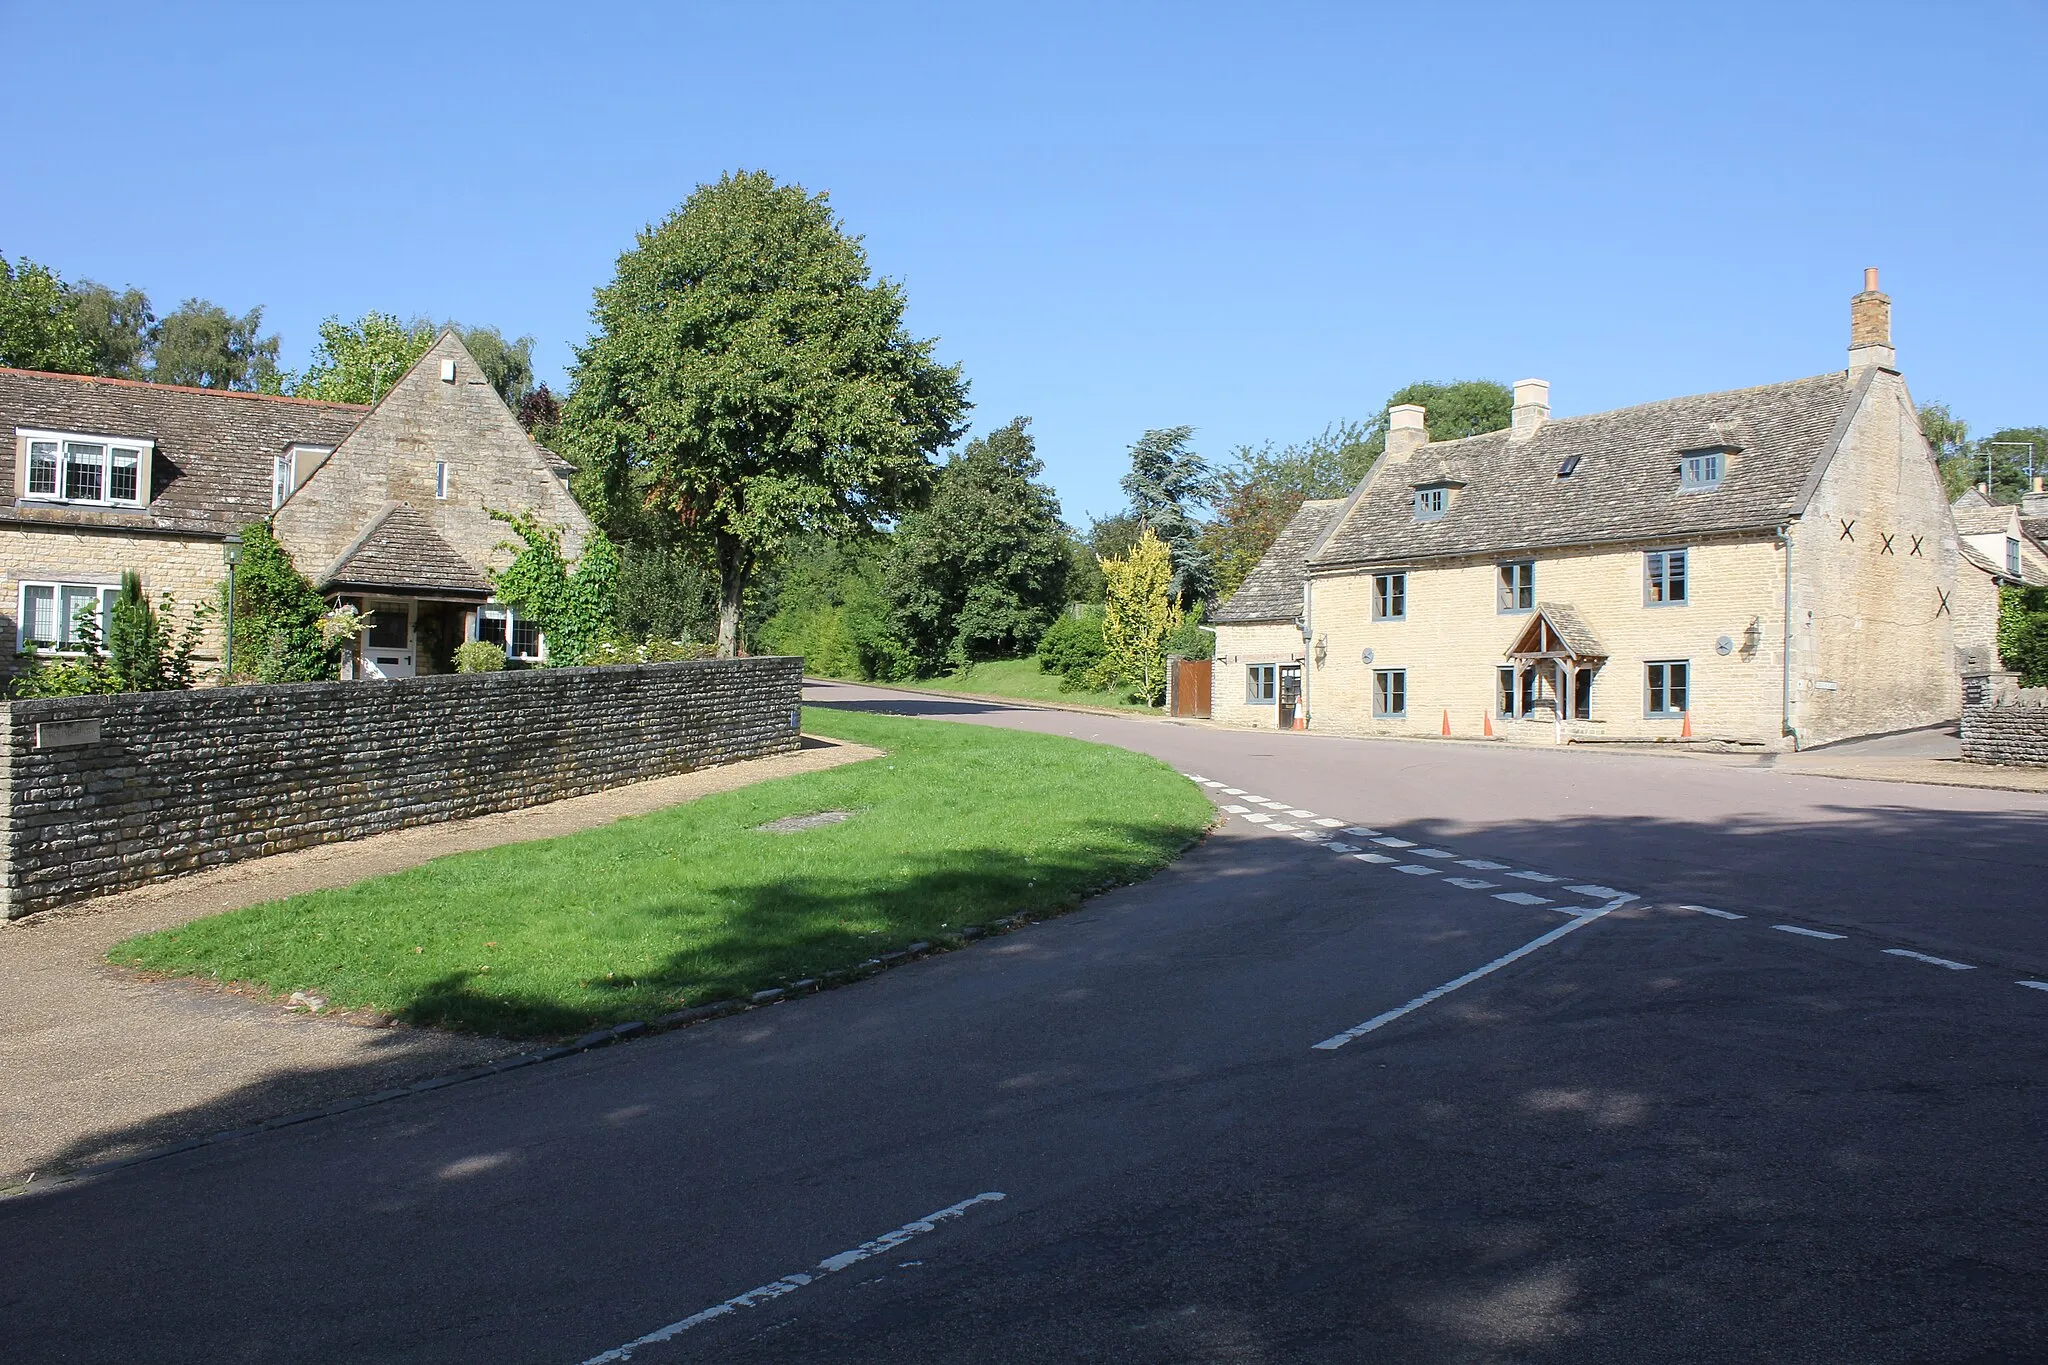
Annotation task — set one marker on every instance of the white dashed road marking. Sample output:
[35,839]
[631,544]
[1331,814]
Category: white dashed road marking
[1594,889]
[789,1284]
[1522,898]
[1481,865]
[2037,985]
[1281,825]
[1391,842]
[1710,910]
[1931,961]
[1535,877]
[1239,810]
[1374,858]
[1327,823]
[1809,933]
[1416,870]
[1434,853]
[1471,883]
[1361,831]
[1233,791]
[1336,847]
[1579,921]
[1258,819]
[1302,814]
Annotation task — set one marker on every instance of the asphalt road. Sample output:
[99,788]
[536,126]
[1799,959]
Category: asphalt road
[1767,1134]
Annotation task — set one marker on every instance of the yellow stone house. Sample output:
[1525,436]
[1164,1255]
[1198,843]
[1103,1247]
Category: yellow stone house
[1771,566]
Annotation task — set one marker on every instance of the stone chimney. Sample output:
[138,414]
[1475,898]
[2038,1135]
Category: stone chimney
[1532,408]
[1870,328]
[1405,432]
[2035,503]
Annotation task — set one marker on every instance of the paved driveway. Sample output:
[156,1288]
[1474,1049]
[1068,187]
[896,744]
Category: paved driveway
[1650,1133]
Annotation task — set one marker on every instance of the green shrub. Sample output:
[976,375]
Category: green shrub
[576,609]
[1191,639]
[650,652]
[2023,633]
[277,615]
[138,655]
[1071,647]
[479,656]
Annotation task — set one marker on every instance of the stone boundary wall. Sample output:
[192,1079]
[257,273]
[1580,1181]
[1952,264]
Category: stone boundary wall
[103,793]
[2010,728]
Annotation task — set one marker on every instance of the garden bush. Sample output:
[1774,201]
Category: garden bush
[479,656]
[1072,647]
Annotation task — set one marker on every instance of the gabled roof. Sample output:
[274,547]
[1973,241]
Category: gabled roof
[1625,485]
[1981,518]
[400,550]
[1272,590]
[214,449]
[1564,626]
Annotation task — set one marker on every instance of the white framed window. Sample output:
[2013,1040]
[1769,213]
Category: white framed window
[292,468]
[2012,556]
[503,626]
[96,471]
[440,479]
[1664,578]
[49,611]
[1261,683]
[1700,471]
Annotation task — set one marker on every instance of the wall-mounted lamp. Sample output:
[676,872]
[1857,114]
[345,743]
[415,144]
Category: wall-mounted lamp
[1322,649]
[1752,636]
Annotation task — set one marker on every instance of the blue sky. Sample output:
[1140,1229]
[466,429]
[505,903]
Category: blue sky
[1254,219]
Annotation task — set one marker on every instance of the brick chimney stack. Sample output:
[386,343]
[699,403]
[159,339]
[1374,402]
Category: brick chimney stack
[1531,409]
[1405,431]
[1870,328]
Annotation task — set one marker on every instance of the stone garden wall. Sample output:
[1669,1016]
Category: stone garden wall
[103,793]
[2010,727]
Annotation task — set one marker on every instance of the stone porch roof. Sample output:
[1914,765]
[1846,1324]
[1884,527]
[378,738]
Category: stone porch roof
[400,551]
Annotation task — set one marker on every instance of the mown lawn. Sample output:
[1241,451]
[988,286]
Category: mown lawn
[957,825]
[1024,680]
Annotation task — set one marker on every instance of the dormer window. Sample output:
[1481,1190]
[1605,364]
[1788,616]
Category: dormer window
[1430,502]
[1701,470]
[96,471]
[293,468]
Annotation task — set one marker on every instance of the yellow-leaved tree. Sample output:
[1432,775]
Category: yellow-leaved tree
[1139,612]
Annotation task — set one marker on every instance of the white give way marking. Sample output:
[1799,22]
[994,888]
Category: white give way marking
[1578,921]
[789,1284]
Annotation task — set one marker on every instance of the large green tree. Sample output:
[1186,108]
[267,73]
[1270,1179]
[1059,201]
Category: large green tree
[982,571]
[39,321]
[358,362]
[1169,485]
[1453,411]
[507,364]
[751,381]
[120,328]
[203,345]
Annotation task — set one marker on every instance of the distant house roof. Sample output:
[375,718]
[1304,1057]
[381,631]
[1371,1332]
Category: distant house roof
[1981,518]
[1623,482]
[214,449]
[399,550]
[2037,531]
[1272,590]
[2028,575]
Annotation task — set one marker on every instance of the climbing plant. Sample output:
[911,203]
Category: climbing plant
[576,609]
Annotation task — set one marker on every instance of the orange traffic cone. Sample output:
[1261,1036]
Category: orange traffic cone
[1486,721]
[1685,730]
[1447,722]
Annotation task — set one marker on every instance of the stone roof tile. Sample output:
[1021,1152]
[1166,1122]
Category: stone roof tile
[399,549]
[1272,590]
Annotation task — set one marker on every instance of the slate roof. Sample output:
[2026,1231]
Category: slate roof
[1981,518]
[1625,486]
[1569,626]
[400,550]
[1272,590]
[214,450]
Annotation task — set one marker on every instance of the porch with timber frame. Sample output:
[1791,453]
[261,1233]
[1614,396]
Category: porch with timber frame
[1550,668]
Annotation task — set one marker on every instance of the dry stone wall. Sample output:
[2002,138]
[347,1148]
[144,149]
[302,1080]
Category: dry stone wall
[2010,728]
[104,793]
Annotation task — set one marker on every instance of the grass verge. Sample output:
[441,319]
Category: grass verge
[957,825]
[1024,680]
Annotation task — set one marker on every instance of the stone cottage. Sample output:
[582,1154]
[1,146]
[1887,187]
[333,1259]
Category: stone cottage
[1997,552]
[386,507]
[1773,566]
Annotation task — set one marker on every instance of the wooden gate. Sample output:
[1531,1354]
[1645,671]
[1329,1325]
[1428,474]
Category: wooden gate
[1187,691]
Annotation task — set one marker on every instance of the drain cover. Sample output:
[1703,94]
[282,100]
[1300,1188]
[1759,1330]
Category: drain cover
[789,824]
